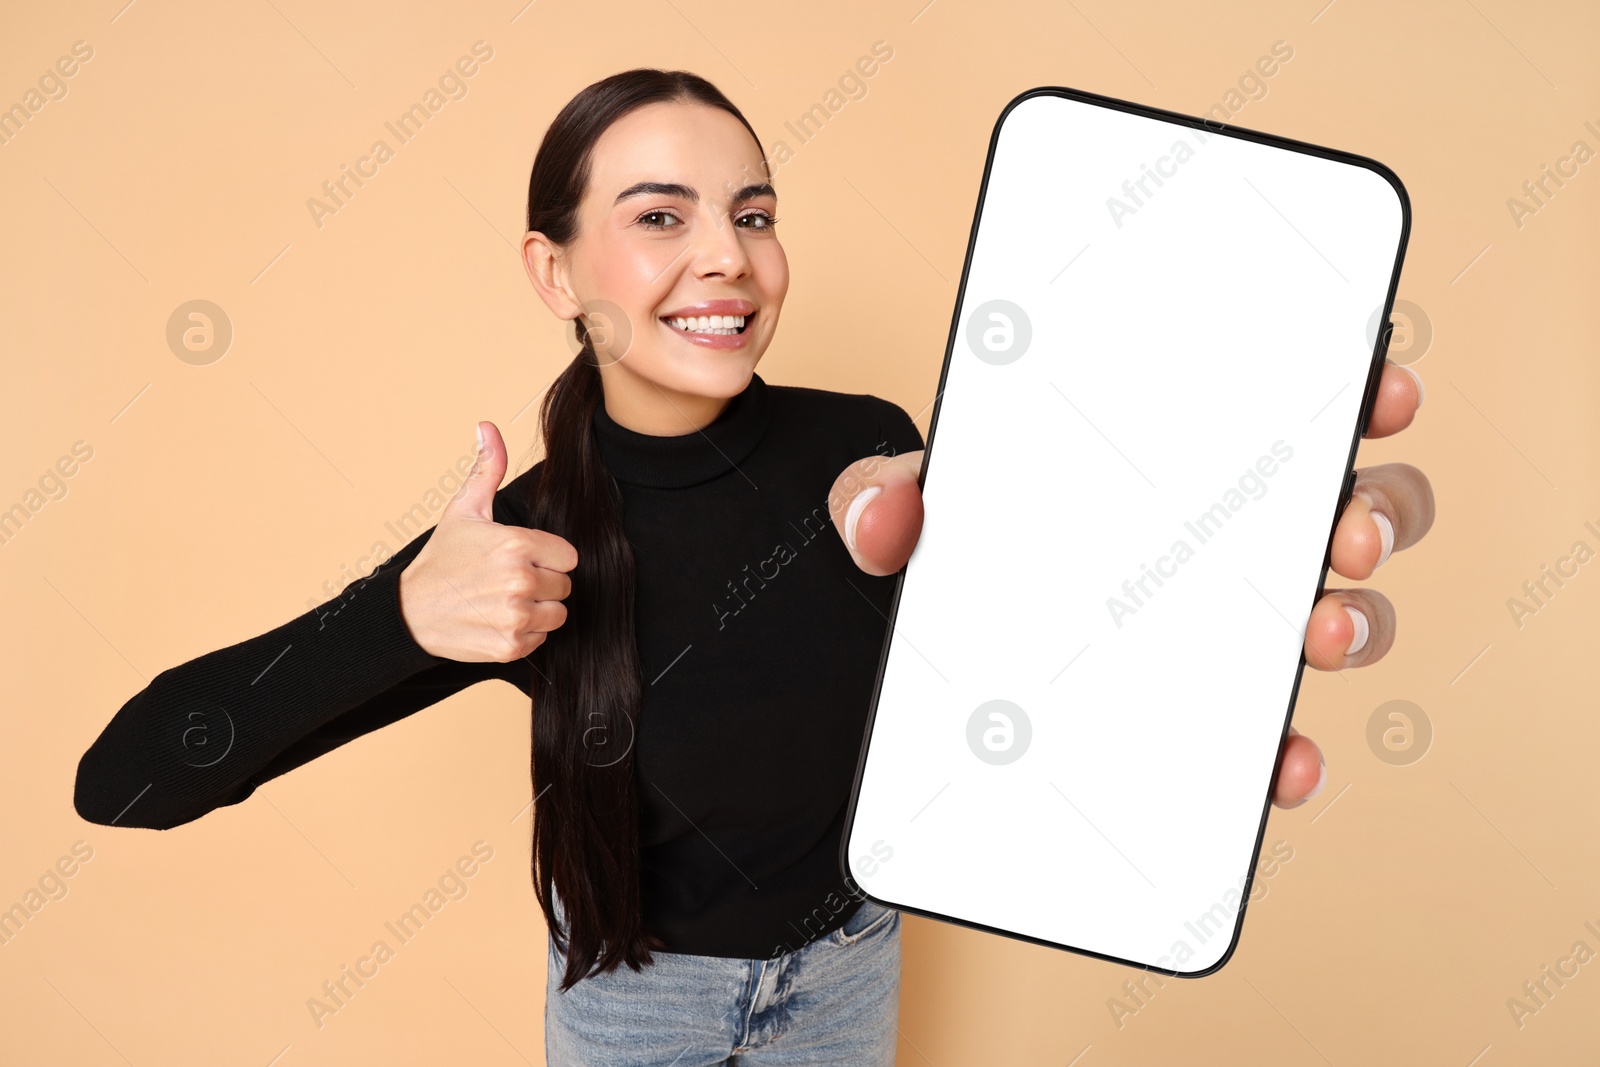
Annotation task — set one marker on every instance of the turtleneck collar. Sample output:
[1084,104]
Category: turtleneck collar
[682,460]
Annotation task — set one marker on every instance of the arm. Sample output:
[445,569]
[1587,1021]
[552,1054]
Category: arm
[204,734]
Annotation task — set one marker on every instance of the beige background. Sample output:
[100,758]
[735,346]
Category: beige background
[219,498]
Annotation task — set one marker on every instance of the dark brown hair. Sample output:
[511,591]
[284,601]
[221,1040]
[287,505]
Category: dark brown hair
[587,681]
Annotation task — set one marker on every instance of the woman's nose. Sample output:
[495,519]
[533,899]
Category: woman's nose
[720,250]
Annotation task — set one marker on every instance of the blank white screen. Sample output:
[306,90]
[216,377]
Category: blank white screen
[1222,316]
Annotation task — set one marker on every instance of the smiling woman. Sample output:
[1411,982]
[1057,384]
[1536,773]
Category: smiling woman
[669,464]
[635,237]
[666,873]
[689,775]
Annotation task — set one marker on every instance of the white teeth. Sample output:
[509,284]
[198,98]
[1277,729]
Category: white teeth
[713,324]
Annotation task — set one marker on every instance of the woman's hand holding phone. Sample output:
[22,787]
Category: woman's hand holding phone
[480,591]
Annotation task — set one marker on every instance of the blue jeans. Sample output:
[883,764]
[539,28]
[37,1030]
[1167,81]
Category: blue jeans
[836,1000]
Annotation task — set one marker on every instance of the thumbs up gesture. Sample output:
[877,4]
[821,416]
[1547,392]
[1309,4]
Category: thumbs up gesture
[479,591]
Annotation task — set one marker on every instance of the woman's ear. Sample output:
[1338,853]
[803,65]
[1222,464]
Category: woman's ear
[547,270]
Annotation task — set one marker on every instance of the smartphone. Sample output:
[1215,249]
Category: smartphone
[1164,353]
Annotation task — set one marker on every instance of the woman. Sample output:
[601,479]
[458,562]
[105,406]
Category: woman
[699,649]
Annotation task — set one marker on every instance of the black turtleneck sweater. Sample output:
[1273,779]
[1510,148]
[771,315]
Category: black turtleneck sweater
[759,638]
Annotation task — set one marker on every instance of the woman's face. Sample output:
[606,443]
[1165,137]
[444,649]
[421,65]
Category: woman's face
[675,222]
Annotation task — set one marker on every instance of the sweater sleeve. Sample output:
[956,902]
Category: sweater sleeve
[206,733]
[896,432]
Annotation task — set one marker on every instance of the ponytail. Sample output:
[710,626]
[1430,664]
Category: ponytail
[588,683]
[587,692]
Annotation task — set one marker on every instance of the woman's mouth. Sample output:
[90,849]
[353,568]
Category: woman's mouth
[710,325]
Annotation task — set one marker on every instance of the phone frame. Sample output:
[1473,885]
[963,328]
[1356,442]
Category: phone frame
[1363,421]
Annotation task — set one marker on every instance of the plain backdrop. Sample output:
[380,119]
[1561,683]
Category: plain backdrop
[1425,886]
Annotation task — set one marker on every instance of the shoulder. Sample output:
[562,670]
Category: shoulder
[513,500]
[871,423]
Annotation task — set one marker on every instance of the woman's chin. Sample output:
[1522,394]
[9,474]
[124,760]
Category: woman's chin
[710,371]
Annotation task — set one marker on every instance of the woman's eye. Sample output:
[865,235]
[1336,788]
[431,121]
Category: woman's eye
[656,214]
[765,221]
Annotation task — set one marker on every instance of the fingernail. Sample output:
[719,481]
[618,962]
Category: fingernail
[1385,535]
[1359,641]
[852,516]
[1322,777]
[478,429]
[1421,392]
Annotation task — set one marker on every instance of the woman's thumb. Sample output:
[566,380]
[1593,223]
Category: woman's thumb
[877,508]
[475,498]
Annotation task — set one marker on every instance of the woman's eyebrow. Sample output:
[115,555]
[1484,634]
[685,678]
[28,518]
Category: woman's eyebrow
[749,192]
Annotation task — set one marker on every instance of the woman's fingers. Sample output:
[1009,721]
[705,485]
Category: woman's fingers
[1391,507]
[1399,397]
[1302,773]
[1349,628]
[877,509]
[545,583]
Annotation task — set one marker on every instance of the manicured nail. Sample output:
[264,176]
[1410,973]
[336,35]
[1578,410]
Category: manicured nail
[1322,777]
[1421,392]
[857,506]
[1385,535]
[1359,641]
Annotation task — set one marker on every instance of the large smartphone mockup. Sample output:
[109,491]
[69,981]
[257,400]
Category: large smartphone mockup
[1165,349]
